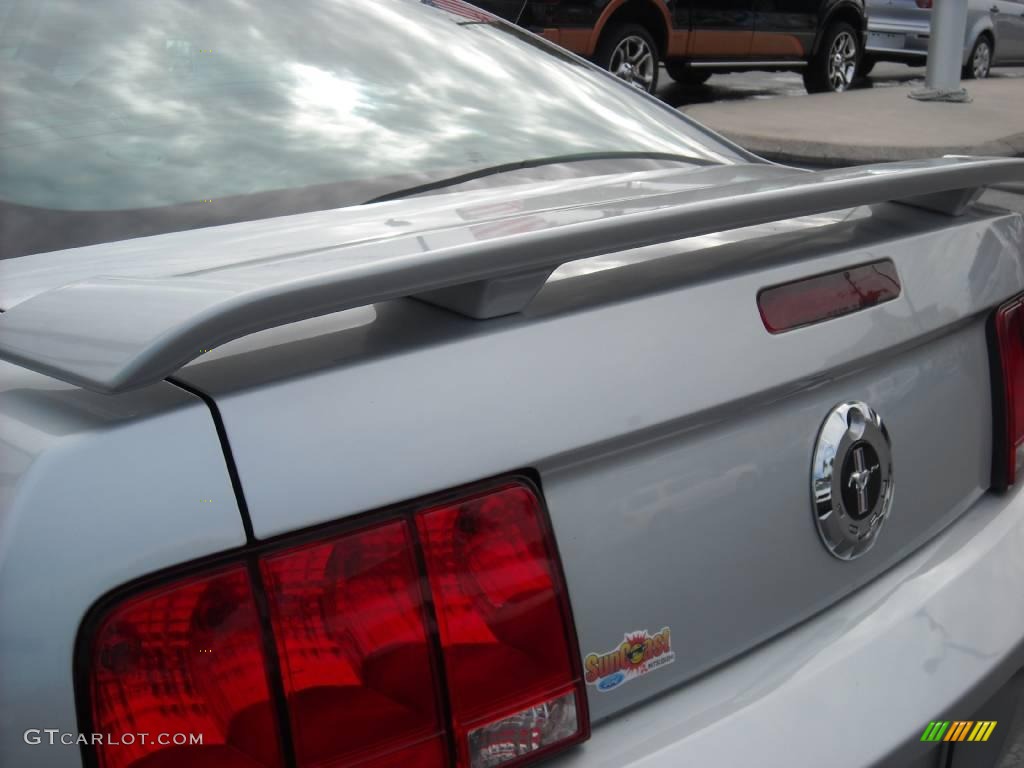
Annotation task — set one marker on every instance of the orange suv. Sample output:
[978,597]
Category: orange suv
[823,39]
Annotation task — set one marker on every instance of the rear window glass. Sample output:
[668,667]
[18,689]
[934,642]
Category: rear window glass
[191,112]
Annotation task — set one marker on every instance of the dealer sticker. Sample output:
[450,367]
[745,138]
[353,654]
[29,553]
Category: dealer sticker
[638,654]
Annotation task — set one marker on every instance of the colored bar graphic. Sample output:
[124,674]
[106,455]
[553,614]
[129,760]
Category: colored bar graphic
[935,730]
[959,730]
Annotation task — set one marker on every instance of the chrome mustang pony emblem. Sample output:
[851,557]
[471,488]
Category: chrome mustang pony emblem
[860,478]
[851,479]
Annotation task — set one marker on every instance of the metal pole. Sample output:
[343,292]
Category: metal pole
[945,53]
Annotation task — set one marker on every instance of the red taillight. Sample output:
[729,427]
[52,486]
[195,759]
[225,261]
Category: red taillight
[184,659]
[505,631]
[813,299]
[390,644]
[924,4]
[348,618]
[1009,447]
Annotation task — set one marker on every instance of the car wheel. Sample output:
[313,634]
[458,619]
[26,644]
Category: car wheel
[629,52]
[685,75]
[980,63]
[834,66]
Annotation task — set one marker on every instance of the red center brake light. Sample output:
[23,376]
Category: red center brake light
[433,638]
[814,299]
[1009,425]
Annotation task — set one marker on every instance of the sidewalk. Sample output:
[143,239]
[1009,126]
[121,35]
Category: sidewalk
[872,125]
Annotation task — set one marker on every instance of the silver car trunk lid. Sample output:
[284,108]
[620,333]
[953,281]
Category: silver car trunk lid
[673,437]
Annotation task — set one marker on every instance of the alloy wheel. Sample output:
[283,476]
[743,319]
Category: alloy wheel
[633,60]
[842,61]
[981,62]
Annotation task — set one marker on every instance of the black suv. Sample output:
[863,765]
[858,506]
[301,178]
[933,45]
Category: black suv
[696,38]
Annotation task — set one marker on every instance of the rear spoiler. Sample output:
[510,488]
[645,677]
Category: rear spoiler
[115,334]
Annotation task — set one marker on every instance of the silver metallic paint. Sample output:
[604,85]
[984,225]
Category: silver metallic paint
[710,524]
[607,385]
[94,492]
[312,395]
[426,370]
[653,445]
[854,685]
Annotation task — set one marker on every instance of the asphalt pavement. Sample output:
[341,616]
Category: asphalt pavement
[740,86]
[771,115]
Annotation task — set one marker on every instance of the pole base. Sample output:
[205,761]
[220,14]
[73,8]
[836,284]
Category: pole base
[930,94]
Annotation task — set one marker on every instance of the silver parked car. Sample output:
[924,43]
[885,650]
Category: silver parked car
[898,30]
[381,385]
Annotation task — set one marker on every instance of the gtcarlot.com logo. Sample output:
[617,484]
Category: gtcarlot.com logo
[57,736]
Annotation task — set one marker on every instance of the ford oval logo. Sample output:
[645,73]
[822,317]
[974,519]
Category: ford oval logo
[612,681]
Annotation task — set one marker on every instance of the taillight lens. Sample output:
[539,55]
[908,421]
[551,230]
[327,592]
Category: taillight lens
[924,4]
[504,626]
[383,645]
[184,659]
[1009,448]
[348,618]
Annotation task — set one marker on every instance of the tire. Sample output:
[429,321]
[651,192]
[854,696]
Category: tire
[685,75]
[979,65]
[629,52]
[867,63]
[833,68]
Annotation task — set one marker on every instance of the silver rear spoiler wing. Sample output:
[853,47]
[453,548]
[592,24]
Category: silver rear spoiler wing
[114,334]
